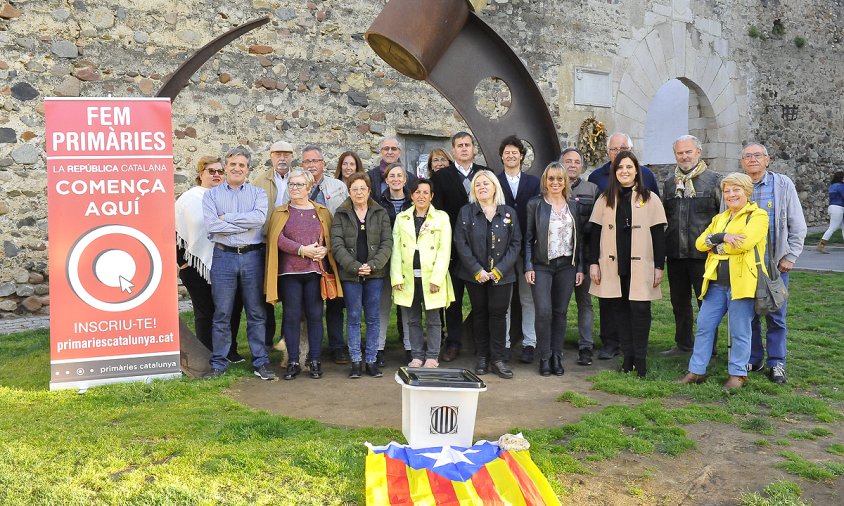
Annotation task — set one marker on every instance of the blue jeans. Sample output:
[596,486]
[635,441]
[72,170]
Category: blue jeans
[775,334]
[228,272]
[363,297]
[716,303]
[301,294]
[552,289]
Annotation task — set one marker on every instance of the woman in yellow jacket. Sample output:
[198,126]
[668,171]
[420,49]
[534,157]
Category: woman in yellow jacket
[729,281]
[419,272]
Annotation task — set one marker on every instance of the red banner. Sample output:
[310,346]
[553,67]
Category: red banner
[114,314]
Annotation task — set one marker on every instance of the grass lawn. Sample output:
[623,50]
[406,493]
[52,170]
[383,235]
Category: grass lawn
[186,442]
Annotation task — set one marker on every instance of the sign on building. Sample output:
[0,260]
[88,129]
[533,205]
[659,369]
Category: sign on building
[114,313]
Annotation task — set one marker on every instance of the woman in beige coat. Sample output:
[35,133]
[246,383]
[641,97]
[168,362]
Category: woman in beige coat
[627,256]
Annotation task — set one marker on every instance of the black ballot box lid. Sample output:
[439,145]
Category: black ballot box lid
[440,378]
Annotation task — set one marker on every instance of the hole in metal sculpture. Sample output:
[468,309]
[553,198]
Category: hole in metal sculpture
[493,98]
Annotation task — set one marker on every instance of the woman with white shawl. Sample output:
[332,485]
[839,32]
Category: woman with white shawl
[194,252]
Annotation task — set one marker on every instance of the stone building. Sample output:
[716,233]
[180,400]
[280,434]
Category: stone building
[763,69]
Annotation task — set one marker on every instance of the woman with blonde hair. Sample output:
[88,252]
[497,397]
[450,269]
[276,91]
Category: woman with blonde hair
[487,240]
[553,264]
[300,232]
[437,160]
[732,241]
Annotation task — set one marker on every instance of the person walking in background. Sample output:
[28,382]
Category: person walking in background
[729,280]
[487,240]
[776,194]
[300,233]
[692,196]
[627,256]
[553,263]
[419,273]
[836,210]
[361,242]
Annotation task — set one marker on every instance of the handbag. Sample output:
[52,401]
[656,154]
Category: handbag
[771,293]
[327,280]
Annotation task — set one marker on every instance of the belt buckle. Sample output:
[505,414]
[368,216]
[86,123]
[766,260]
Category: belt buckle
[240,249]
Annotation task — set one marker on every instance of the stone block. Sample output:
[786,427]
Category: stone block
[625,106]
[32,303]
[25,154]
[714,149]
[24,91]
[8,136]
[70,87]
[42,289]
[678,45]
[64,49]
[644,60]
[20,275]
[24,290]
[7,288]
[8,11]
[8,305]
[658,55]
[101,17]
[630,89]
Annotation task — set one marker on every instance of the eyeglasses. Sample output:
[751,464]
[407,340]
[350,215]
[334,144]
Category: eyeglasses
[359,190]
[219,172]
[751,156]
[311,162]
[620,148]
[389,148]
[296,186]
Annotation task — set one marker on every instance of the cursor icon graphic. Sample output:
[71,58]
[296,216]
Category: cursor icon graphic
[125,285]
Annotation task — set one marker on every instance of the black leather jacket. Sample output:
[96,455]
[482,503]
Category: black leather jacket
[536,234]
[472,242]
[689,217]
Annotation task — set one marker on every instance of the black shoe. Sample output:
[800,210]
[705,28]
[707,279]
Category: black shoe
[756,367]
[557,364]
[265,373]
[341,356]
[408,356]
[640,364]
[293,370]
[316,369]
[777,374]
[627,365]
[482,367]
[584,357]
[500,368]
[372,370]
[527,355]
[213,373]
[608,353]
[544,367]
[379,358]
[675,351]
[235,358]
[356,369]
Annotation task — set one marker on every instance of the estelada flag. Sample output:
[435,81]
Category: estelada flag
[481,475]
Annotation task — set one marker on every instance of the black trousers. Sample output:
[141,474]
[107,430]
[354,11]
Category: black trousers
[203,307]
[633,321]
[606,320]
[684,276]
[454,314]
[552,291]
[489,313]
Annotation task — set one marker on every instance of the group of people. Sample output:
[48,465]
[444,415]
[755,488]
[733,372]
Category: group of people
[362,242]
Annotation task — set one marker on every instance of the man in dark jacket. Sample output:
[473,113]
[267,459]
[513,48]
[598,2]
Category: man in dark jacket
[390,153]
[692,196]
[616,143]
[583,197]
[451,192]
[518,188]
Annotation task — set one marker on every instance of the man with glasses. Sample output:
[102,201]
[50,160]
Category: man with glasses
[692,196]
[616,143]
[776,194]
[274,182]
[329,192]
[451,192]
[234,214]
[390,150]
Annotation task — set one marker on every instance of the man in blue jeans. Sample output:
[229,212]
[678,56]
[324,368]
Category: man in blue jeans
[234,213]
[776,194]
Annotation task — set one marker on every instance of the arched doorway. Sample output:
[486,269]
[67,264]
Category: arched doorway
[667,119]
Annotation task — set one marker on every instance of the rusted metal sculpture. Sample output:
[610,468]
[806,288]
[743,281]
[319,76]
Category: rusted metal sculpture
[446,44]
[174,84]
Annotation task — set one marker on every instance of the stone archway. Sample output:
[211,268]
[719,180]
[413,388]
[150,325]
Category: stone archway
[675,50]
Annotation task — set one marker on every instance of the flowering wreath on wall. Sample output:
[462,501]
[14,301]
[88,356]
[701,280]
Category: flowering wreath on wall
[592,141]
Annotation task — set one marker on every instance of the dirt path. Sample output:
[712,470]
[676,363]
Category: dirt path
[725,464]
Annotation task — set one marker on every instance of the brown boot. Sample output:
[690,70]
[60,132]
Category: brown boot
[821,247]
[692,379]
[734,382]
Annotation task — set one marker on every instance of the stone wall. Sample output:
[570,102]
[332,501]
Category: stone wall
[309,77]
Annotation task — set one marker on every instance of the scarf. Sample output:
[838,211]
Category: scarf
[191,232]
[685,186]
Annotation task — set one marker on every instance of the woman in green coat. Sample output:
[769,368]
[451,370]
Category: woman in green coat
[419,272]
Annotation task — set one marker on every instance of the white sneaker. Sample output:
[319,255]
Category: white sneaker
[415,363]
[431,363]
